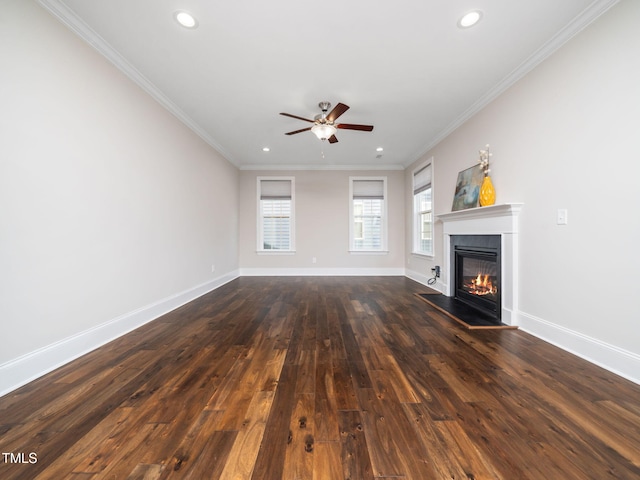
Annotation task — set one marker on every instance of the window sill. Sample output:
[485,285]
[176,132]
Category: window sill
[423,255]
[276,252]
[369,252]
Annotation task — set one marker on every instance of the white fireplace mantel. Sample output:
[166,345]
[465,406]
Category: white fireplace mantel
[492,220]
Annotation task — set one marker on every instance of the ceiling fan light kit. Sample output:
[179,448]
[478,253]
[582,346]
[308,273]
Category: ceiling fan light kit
[323,131]
[324,126]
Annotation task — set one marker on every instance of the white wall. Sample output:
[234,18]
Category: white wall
[565,136]
[112,211]
[322,226]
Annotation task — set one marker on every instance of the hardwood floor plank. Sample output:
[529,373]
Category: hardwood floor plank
[343,385]
[270,461]
[492,437]
[326,411]
[243,390]
[443,455]
[191,442]
[306,381]
[355,361]
[208,461]
[223,395]
[145,472]
[475,463]
[245,449]
[399,383]
[299,456]
[117,457]
[326,461]
[356,464]
[82,453]
[394,449]
[442,366]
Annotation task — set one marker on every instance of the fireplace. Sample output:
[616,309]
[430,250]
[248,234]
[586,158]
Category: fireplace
[476,267]
[497,221]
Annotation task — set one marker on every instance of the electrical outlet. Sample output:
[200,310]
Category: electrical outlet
[213,268]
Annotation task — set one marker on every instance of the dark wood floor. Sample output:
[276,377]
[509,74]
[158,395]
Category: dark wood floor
[322,378]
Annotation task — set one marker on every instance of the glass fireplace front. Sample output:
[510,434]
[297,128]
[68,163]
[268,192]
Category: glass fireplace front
[477,276]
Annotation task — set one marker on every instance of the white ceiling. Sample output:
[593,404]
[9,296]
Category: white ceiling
[403,66]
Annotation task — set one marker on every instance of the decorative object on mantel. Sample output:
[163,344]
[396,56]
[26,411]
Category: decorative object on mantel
[487,192]
[467,188]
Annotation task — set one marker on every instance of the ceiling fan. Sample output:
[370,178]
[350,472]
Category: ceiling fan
[324,126]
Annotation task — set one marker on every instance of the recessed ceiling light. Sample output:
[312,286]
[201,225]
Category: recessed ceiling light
[379,149]
[266,149]
[185,19]
[470,19]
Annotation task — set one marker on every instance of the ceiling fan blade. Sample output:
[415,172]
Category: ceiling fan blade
[332,139]
[299,131]
[295,116]
[338,110]
[352,126]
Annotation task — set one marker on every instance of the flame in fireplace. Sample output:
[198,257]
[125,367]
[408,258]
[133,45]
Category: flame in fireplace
[482,285]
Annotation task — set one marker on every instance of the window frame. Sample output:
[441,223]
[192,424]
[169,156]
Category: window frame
[383,217]
[260,237]
[416,239]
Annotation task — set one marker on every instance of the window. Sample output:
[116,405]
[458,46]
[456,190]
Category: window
[422,210]
[367,212]
[275,214]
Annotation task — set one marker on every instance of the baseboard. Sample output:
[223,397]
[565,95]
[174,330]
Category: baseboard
[24,369]
[321,272]
[611,358]
[424,280]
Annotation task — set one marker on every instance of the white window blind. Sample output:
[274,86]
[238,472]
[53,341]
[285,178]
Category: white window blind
[368,189]
[275,214]
[423,211]
[275,189]
[422,179]
[367,214]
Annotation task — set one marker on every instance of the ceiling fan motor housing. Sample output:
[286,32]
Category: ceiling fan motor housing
[324,106]
[322,117]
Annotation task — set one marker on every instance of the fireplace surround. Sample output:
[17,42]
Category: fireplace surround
[501,223]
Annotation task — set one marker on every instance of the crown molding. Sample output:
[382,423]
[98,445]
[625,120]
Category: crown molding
[65,15]
[254,167]
[579,23]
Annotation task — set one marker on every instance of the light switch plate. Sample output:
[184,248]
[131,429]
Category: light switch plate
[563,217]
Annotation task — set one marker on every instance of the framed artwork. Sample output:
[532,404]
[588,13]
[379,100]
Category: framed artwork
[468,188]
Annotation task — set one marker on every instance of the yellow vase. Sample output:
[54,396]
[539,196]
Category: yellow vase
[487,192]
